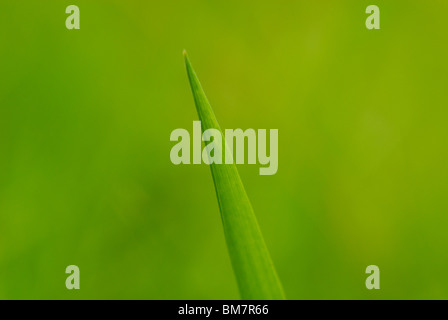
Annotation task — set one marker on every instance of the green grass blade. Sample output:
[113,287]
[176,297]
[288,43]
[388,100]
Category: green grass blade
[252,265]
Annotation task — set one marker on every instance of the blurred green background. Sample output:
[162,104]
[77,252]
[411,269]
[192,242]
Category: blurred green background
[85,172]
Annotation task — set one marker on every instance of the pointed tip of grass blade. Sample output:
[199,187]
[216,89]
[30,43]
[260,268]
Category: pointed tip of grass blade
[187,63]
[203,108]
[189,67]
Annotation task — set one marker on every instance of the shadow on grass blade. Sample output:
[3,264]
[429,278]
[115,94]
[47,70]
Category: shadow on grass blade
[252,265]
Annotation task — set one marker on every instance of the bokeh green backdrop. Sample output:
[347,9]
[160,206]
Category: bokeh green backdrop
[85,120]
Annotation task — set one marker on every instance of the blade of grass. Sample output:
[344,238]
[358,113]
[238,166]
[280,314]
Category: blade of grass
[251,262]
